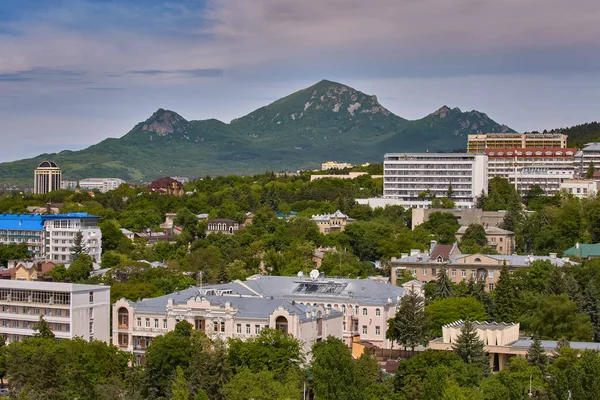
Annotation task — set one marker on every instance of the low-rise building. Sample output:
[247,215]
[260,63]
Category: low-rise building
[351,175]
[590,154]
[166,185]
[498,239]
[580,188]
[583,251]
[101,184]
[223,225]
[548,177]
[464,217]
[335,222]
[501,341]
[334,165]
[69,309]
[425,266]
[27,270]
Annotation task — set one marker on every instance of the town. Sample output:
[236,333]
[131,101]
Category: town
[428,275]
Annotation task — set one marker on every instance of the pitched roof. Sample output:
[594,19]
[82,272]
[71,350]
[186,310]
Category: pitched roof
[583,250]
[490,230]
[442,250]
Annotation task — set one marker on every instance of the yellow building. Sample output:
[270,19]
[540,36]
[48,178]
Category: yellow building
[334,165]
[477,144]
[47,177]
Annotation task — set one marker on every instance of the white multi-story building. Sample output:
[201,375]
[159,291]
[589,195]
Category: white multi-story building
[51,236]
[101,184]
[309,309]
[61,230]
[548,177]
[523,167]
[413,179]
[580,188]
[69,309]
[478,143]
[586,156]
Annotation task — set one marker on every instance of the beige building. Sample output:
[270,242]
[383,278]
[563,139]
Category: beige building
[46,177]
[424,266]
[334,165]
[477,144]
[464,217]
[501,240]
[351,175]
[335,222]
[580,188]
[219,314]
[69,309]
[502,342]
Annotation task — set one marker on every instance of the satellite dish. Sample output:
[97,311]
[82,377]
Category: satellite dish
[300,274]
[314,274]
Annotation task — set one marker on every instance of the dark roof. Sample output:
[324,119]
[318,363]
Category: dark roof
[47,164]
[223,221]
[441,250]
[165,182]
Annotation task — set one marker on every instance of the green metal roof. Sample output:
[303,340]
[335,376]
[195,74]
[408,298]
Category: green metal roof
[583,250]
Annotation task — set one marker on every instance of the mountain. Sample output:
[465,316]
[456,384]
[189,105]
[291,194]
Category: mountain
[327,121]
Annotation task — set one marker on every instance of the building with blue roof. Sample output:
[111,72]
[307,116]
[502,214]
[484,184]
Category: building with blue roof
[50,236]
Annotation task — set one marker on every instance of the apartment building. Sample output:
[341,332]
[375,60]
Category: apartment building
[51,236]
[335,222]
[349,308]
[463,217]
[424,266]
[413,179]
[586,156]
[477,144]
[46,177]
[335,165]
[101,184]
[523,167]
[69,309]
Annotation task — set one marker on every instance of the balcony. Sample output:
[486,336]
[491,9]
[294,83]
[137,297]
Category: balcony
[123,327]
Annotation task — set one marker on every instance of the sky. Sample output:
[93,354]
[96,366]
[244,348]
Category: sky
[74,72]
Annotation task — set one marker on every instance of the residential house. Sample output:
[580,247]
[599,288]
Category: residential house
[335,222]
[498,239]
[166,185]
[223,225]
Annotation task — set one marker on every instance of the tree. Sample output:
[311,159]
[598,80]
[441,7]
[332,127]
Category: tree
[80,269]
[556,316]
[78,248]
[262,385]
[179,387]
[444,311]
[589,174]
[111,235]
[409,325]
[505,296]
[536,355]
[43,330]
[444,225]
[470,347]
[591,306]
[443,286]
[514,213]
[333,370]
[475,233]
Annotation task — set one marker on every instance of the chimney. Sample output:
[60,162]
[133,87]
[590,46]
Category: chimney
[414,252]
[433,243]
[553,255]
[577,245]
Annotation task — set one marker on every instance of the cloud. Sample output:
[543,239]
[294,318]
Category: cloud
[198,72]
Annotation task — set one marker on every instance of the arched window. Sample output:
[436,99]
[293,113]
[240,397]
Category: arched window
[344,309]
[364,311]
[377,312]
[281,324]
[329,307]
[231,229]
[478,259]
[123,318]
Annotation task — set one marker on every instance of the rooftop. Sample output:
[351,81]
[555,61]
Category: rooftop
[583,250]
[47,164]
[490,230]
[485,325]
[327,217]
[50,286]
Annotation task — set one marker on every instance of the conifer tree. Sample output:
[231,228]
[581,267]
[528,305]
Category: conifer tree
[409,326]
[78,247]
[589,174]
[179,387]
[470,347]
[443,286]
[536,355]
[505,296]
[43,330]
[591,306]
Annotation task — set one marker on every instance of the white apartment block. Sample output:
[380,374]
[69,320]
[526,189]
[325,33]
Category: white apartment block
[50,236]
[412,179]
[586,156]
[101,184]
[70,310]
[580,188]
[523,167]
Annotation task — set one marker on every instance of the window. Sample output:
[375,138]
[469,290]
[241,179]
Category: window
[238,328]
[222,326]
[463,273]
[139,322]
[164,324]
[433,272]
[414,272]
[424,272]
[58,313]
[364,311]
[156,323]
[473,273]
[364,329]
[247,329]
[216,326]
[491,286]
[491,274]
[256,329]
[147,322]
[91,297]
[453,272]
[91,328]
[377,312]
[91,314]
[355,310]
[377,330]
[344,326]
[344,309]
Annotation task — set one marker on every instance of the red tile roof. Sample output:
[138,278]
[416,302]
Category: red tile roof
[441,250]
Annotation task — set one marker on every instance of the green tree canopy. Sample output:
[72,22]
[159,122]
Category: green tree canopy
[409,326]
[444,311]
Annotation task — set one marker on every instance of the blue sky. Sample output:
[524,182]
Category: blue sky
[73,72]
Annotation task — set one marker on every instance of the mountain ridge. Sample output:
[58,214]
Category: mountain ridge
[327,120]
